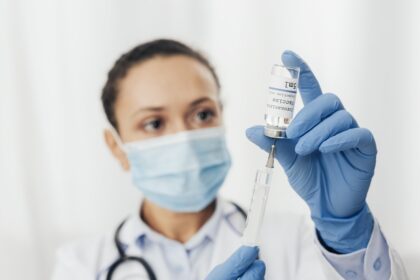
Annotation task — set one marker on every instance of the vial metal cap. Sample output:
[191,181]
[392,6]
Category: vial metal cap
[274,132]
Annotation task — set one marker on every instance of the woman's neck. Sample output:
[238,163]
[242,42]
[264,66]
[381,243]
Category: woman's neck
[176,226]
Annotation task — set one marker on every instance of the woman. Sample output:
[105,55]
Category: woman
[162,101]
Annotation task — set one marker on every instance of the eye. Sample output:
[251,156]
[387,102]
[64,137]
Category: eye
[204,115]
[153,125]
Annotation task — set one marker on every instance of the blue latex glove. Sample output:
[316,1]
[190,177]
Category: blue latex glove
[242,264]
[329,162]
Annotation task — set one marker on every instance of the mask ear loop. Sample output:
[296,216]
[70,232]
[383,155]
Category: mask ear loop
[117,138]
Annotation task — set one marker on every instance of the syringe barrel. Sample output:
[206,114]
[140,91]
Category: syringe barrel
[257,207]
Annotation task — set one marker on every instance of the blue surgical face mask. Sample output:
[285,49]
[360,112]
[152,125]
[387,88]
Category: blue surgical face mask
[181,172]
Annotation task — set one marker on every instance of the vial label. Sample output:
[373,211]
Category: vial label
[281,97]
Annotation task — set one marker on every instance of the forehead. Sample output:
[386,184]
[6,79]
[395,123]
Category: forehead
[165,80]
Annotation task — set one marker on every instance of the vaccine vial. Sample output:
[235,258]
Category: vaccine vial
[281,99]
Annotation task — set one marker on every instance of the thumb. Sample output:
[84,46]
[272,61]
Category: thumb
[285,148]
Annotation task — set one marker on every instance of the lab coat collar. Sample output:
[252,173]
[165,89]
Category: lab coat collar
[136,233]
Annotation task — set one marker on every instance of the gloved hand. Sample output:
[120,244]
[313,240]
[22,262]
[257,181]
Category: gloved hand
[242,264]
[329,162]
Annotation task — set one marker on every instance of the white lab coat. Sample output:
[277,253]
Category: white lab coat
[288,246]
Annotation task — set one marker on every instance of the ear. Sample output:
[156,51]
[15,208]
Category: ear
[116,150]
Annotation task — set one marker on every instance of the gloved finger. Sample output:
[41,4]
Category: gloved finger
[285,148]
[308,85]
[236,264]
[334,124]
[255,272]
[356,138]
[313,113]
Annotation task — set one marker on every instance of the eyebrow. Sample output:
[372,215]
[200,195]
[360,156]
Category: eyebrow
[160,108]
[153,109]
[200,100]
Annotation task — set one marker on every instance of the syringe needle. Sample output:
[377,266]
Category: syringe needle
[270,160]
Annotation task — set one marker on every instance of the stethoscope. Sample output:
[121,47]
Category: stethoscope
[124,258]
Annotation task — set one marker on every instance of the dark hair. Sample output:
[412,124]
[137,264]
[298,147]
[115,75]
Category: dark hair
[141,53]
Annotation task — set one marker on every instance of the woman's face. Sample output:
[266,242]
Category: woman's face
[161,96]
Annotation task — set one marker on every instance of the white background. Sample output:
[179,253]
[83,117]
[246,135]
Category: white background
[58,182]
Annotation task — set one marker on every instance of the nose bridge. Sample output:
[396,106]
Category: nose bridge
[179,124]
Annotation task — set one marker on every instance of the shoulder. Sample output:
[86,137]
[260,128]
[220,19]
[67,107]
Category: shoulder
[289,249]
[279,225]
[83,258]
[84,249]
[288,222]
[289,230]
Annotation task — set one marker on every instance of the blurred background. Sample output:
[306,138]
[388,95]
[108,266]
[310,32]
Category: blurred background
[58,182]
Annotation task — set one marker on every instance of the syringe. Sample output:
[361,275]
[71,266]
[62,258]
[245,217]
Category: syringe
[258,202]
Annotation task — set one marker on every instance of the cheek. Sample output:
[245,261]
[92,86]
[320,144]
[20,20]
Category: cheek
[128,130]
[124,129]
[122,120]
[219,119]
